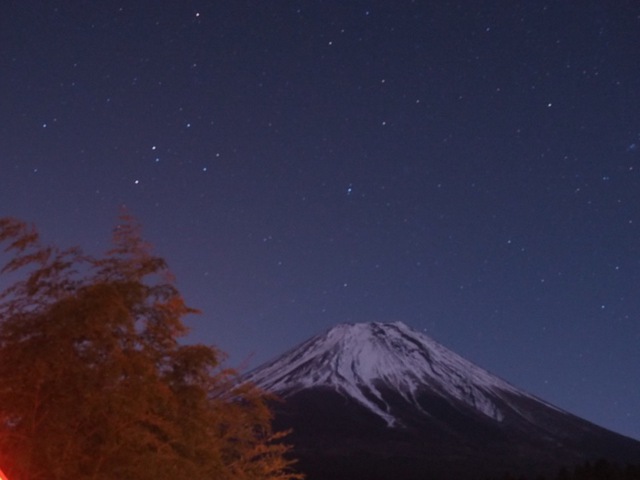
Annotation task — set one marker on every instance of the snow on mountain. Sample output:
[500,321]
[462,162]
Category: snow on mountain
[382,401]
[365,360]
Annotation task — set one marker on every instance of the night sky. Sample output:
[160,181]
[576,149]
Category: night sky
[469,168]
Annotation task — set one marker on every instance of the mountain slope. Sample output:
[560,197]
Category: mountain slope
[383,401]
[363,359]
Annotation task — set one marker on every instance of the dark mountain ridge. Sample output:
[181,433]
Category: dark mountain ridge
[382,401]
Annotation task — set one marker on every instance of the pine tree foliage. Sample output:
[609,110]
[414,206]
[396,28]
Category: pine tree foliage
[601,469]
[94,384]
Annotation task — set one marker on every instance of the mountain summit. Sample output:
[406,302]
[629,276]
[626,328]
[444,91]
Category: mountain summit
[383,401]
[369,361]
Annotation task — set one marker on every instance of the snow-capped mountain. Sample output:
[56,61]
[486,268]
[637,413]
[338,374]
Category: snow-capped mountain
[363,360]
[378,401]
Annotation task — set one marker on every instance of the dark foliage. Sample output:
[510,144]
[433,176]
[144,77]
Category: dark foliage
[599,470]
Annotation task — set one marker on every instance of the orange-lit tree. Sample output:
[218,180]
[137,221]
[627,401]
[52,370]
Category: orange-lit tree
[94,383]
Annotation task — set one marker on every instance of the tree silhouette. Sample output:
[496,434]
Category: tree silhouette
[94,383]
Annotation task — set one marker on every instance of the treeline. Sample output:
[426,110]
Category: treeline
[599,470]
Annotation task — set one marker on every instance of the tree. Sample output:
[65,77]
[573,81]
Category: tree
[94,383]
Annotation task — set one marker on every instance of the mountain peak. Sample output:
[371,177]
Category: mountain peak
[366,360]
[383,401]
